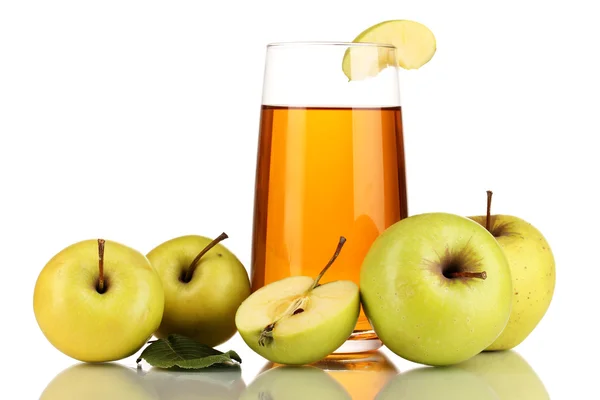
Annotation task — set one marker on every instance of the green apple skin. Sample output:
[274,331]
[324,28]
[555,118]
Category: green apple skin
[210,383]
[93,327]
[204,308]
[508,374]
[294,383]
[449,383]
[98,382]
[533,272]
[416,311]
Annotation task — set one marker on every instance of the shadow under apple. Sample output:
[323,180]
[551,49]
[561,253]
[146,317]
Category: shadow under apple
[98,382]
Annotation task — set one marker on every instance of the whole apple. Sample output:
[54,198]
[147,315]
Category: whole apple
[436,288]
[204,285]
[533,274]
[98,301]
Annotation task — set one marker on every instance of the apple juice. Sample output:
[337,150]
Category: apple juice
[323,173]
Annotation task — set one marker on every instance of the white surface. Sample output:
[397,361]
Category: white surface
[137,121]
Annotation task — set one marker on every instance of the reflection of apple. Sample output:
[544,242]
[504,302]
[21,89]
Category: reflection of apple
[98,382]
[448,383]
[209,383]
[294,383]
[508,374]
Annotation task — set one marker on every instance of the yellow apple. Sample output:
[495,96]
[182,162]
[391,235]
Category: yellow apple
[98,301]
[204,285]
[533,274]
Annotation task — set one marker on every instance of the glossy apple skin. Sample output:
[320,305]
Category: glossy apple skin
[93,327]
[534,277]
[417,312]
[204,308]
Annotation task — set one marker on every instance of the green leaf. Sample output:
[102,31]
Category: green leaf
[183,352]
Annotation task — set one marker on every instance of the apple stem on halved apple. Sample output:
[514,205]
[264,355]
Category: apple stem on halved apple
[100,286]
[488,216]
[299,304]
[194,264]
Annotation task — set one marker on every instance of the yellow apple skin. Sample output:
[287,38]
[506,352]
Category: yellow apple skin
[533,273]
[204,308]
[93,327]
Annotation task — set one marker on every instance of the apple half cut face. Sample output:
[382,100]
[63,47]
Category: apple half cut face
[297,321]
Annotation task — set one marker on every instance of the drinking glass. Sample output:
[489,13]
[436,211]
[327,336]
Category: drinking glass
[330,163]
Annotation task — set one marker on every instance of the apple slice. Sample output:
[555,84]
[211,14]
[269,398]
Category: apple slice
[297,321]
[415,46]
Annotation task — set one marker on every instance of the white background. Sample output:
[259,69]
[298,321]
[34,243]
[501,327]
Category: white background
[137,121]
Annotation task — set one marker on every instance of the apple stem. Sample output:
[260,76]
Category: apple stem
[462,274]
[194,264]
[100,287]
[335,255]
[489,210]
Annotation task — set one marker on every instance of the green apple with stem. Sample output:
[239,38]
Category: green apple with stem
[448,383]
[295,383]
[99,382]
[533,273]
[98,301]
[296,320]
[204,285]
[508,374]
[436,288]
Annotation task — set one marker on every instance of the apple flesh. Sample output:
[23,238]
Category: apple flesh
[297,321]
[98,301]
[204,284]
[533,274]
[436,288]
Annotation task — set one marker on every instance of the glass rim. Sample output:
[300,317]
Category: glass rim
[331,44]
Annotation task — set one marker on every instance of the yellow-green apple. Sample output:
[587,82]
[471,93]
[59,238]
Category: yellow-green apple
[98,300]
[296,320]
[209,383]
[508,374]
[437,383]
[294,383]
[533,274]
[204,285]
[99,382]
[436,288]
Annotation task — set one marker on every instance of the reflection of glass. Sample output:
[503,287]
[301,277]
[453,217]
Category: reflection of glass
[294,383]
[498,376]
[361,375]
[330,164]
[99,382]
[209,383]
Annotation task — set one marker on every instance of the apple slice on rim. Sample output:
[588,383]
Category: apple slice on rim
[298,321]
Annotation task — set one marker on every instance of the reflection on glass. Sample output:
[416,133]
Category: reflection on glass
[294,383]
[223,383]
[99,382]
[498,376]
[361,375]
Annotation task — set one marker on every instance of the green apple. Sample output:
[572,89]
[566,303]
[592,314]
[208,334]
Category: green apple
[436,288]
[533,273]
[210,383]
[294,383]
[448,383]
[98,301]
[298,321]
[508,374]
[204,285]
[98,382]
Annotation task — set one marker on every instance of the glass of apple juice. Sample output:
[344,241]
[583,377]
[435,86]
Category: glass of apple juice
[330,163]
